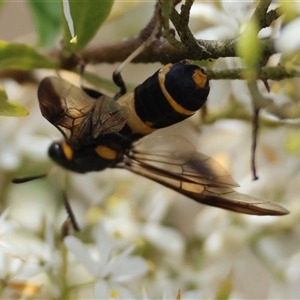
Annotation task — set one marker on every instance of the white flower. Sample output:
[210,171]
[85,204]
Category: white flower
[5,227]
[113,290]
[224,23]
[109,270]
[21,257]
[289,39]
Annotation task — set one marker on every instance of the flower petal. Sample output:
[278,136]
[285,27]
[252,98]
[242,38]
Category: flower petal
[289,39]
[104,245]
[104,290]
[101,290]
[123,269]
[82,254]
[166,239]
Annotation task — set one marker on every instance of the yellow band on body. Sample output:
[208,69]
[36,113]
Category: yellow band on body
[106,152]
[67,150]
[161,78]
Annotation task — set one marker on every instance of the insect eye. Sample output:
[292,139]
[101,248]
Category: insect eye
[60,152]
[63,155]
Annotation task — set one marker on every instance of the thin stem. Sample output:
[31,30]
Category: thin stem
[255,128]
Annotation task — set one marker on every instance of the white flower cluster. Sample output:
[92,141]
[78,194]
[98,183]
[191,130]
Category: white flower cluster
[108,268]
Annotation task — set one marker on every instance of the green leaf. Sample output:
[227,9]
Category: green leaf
[10,108]
[225,288]
[292,143]
[83,20]
[248,47]
[1,3]
[288,8]
[22,57]
[47,20]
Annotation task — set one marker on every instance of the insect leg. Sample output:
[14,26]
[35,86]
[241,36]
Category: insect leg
[70,212]
[117,77]
[118,80]
[81,73]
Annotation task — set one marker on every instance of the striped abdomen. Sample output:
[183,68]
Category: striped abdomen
[172,94]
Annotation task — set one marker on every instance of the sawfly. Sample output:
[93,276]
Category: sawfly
[102,132]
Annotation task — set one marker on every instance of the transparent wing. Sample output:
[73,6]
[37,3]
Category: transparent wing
[173,162]
[77,115]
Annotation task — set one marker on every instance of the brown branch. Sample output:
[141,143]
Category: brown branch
[264,19]
[20,76]
[161,51]
[259,14]
[169,33]
[273,73]
[255,129]
[271,16]
[181,23]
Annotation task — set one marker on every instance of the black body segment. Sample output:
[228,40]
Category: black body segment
[170,95]
[87,159]
[187,85]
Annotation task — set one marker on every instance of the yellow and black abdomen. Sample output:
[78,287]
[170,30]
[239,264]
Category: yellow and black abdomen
[172,94]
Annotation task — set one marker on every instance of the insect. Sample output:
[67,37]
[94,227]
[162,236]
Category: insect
[100,132]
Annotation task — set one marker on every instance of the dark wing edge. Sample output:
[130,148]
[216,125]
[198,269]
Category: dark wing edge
[242,203]
[77,115]
[212,192]
[64,105]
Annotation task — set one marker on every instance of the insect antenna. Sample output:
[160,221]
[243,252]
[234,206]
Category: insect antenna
[34,177]
[28,178]
[71,215]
